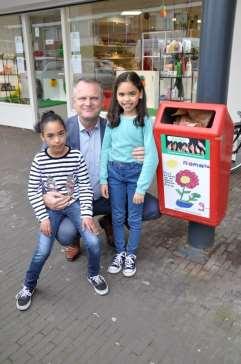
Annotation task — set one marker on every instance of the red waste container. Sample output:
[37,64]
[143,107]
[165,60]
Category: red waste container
[107,99]
[193,173]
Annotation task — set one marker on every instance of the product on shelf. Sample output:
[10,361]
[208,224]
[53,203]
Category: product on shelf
[174,47]
[7,69]
[6,86]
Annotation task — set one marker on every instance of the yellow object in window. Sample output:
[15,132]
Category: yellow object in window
[53,82]
[16,92]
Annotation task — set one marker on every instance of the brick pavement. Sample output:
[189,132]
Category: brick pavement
[172,312]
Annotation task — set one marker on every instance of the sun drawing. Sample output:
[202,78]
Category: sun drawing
[171,163]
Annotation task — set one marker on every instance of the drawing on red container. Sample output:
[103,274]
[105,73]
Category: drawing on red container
[187,180]
[186,145]
[201,206]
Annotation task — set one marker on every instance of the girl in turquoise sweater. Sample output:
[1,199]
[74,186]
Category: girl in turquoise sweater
[122,178]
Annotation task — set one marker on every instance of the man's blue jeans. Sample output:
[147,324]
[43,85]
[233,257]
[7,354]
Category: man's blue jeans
[122,181]
[45,244]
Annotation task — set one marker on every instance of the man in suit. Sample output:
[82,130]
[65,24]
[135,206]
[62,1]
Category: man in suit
[85,132]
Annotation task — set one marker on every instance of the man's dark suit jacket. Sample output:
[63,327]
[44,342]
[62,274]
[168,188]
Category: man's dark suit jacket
[72,126]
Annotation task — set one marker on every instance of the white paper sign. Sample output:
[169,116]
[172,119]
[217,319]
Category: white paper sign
[75,41]
[18,44]
[20,65]
[36,31]
[49,41]
[76,63]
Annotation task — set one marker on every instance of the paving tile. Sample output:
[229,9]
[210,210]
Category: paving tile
[172,312]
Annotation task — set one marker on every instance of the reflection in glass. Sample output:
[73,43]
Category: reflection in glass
[48,61]
[104,39]
[13,73]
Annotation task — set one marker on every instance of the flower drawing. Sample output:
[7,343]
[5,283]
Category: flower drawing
[187,180]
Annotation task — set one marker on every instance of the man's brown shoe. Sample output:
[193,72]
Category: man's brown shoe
[106,224]
[72,252]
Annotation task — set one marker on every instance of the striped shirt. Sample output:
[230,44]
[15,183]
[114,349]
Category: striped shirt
[67,174]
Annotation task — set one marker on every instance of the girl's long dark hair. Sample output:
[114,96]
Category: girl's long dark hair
[46,118]
[115,110]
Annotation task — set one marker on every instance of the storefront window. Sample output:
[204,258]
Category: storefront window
[109,37]
[13,73]
[48,61]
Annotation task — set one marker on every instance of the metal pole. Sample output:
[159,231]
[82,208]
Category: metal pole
[27,36]
[215,53]
[67,56]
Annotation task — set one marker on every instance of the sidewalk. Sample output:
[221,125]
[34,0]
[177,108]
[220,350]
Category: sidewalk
[172,312]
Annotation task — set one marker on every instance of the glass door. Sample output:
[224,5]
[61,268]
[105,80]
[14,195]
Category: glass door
[49,61]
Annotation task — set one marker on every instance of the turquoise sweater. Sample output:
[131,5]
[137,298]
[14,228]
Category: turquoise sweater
[118,144]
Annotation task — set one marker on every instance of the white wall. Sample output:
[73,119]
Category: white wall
[234,90]
[20,116]
[23,116]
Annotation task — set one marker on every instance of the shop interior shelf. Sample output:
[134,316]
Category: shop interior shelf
[161,76]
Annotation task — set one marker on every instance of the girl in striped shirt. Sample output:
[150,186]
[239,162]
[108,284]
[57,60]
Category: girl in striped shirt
[60,168]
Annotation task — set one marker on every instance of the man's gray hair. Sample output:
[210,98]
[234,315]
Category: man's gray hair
[90,80]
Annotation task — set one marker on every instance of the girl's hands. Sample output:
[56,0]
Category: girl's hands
[55,200]
[45,227]
[90,224]
[138,198]
[104,190]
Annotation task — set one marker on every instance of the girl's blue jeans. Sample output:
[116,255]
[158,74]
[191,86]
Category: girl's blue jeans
[45,244]
[122,181]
